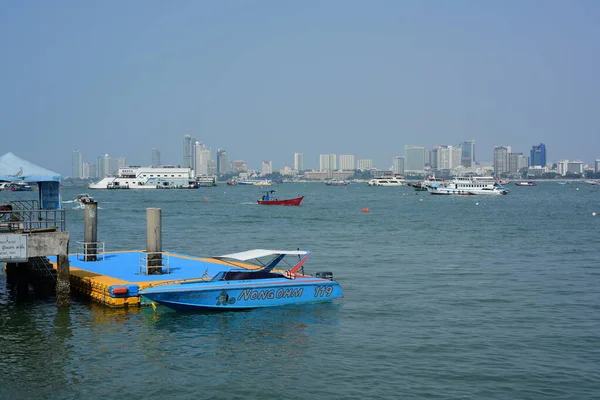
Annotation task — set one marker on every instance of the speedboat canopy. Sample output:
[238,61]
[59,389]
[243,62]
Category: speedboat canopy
[258,253]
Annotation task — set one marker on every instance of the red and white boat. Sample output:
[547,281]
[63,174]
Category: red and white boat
[268,200]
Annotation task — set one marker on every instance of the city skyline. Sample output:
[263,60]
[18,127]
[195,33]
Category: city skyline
[272,79]
[416,160]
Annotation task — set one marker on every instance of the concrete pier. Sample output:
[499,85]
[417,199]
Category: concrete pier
[154,240]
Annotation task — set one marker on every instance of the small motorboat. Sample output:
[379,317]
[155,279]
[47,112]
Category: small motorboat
[84,198]
[529,183]
[249,280]
[267,199]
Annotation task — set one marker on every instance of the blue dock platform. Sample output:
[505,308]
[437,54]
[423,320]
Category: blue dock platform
[116,277]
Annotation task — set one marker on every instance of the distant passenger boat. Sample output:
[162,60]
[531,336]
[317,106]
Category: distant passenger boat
[388,181]
[149,178]
[486,185]
[336,182]
[529,183]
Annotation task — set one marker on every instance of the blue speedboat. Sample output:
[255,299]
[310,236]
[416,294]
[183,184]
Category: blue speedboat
[251,281]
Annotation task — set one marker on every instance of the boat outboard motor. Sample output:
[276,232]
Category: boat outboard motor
[324,275]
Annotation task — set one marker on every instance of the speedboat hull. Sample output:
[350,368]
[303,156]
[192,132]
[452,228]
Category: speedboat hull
[287,202]
[246,294]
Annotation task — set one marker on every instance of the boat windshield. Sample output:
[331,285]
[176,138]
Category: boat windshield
[248,275]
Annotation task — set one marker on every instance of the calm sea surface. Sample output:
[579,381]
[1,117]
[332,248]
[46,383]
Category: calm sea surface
[444,297]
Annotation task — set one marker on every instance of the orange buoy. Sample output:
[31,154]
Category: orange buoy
[120,290]
[366,209]
[206,198]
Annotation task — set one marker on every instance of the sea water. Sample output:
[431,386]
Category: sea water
[444,297]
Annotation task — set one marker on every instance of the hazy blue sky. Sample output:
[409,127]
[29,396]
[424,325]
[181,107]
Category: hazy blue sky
[264,79]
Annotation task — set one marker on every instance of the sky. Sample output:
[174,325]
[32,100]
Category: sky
[264,79]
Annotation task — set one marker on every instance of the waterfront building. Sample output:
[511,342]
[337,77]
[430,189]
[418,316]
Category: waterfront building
[77,165]
[428,158]
[87,169]
[327,162]
[597,166]
[414,159]
[347,163]
[365,164]
[287,171]
[565,167]
[467,153]
[202,159]
[538,155]
[223,164]
[317,175]
[188,150]
[114,165]
[501,159]
[239,166]
[102,166]
[156,158]
[398,165]
[445,158]
[299,161]
[267,167]
[516,162]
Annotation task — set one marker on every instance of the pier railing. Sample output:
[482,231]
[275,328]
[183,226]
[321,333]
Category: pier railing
[153,261]
[90,251]
[26,216]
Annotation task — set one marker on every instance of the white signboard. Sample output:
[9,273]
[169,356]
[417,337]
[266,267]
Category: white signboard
[13,248]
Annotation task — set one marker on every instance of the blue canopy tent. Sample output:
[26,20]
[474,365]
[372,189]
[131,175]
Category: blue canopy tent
[16,169]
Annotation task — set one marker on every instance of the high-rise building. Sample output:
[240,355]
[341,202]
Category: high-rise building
[188,151]
[467,153]
[239,166]
[327,162]
[365,164]
[444,157]
[537,156]
[347,162]
[398,165]
[299,161]
[267,167]
[223,164]
[77,165]
[156,158]
[202,159]
[102,166]
[501,159]
[87,171]
[121,162]
[565,167]
[597,166]
[516,162]
[414,159]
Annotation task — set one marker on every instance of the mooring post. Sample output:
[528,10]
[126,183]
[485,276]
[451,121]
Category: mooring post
[90,231]
[154,240]
[63,286]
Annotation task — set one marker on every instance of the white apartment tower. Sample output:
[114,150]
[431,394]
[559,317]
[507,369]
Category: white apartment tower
[327,162]
[155,158]
[77,165]
[501,159]
[267,167]
[365,164]
[347,162]
[298,161]
[202,159]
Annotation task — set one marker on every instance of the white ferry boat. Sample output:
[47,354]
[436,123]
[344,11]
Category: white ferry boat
[477,185]
[149,178]
[387,181]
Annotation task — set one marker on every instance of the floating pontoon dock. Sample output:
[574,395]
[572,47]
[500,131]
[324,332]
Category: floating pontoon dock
[116,277]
